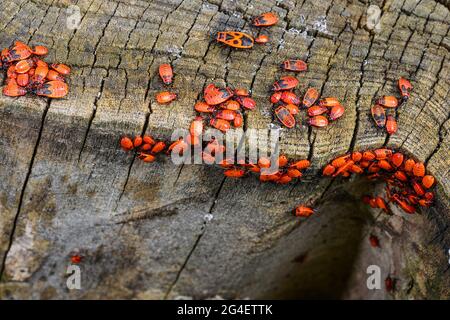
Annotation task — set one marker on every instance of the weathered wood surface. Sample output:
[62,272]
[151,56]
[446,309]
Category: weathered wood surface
[162,231]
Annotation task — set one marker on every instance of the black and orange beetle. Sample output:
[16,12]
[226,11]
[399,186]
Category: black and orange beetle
[405,87]
[379,115]
[235,39]
[294,65]
[285,83]
[265,20]
[285,117]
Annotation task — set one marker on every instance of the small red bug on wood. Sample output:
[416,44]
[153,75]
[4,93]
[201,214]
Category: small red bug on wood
[54,75]
[262,39]
[201,106]
[23,79]
[276,97]
[220,124]
[428,181]
[318,121]
[388,101]
[419,169]
[310,97]
[379,115]
[40,73]
[391,125]
[241,92]
[235,39]
[294,65]
[336,112]
[285,83]
[14,90]
[285,116]
[234,173]
[23,66]
[226,114]
[265,20]
[238,120]
[216,96]
[374,242]
[397,159]
[246,102]
[301,164]
[126,143]
[61,68]
[166,73]
[231,105]
[293,109]
[316,110]
[329,102]
[52,89]
[165,97]
[290,97]
[405,87]
[40,50]
[303,211]
[328,170]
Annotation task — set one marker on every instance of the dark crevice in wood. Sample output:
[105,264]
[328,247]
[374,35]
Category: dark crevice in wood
[22,193]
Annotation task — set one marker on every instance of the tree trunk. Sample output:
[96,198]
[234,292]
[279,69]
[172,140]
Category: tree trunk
[164,231]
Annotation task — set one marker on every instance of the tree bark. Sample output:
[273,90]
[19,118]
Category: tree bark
[164,231]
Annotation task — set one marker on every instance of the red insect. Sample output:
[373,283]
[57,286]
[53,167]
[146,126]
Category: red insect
[204,107]
[165,97]
[285,83]
[419,169]
[295,65]
[158,147]
[231,105]
[290,97]
[328,170]
[316,110]
[246,102]
[403,204]
[238,120]
[19,51]
[23,66]
[374,242]
[216,96]
[318,121]
[293,109]
[225,114]
[336,112]
[388,101]
[76,259]
[234,173]
[220,124]
[166,73]
[310,97]
[126,143]
[304,211]
[40,50]
[397,159]
[54,75]
[276,97]
[241,92]
[428,181]
[389,284]
[40,73]
[262,39]
[235,39]
[265,20]
[23,79]
[379,115]
[405,87]
[382,153]
[391,125]
[301,164]
[285,116]
[61,68]
[329,102]
[52,89]
[14,90]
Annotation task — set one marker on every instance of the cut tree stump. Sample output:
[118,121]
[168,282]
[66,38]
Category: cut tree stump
[164,231]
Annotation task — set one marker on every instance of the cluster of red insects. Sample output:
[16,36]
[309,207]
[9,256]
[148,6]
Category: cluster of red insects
[146,147]
[166,74]
[226,107]
[378,110]
[241,40]
[286,102]
[26,72]
[407,184]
